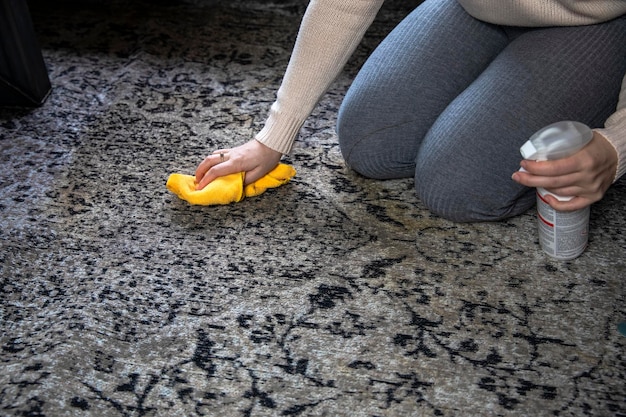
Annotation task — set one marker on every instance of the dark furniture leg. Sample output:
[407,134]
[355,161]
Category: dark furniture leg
[23,75]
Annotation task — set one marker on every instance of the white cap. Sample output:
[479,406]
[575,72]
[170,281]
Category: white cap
[528,150]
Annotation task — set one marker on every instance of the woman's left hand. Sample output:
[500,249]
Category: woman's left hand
[585,176]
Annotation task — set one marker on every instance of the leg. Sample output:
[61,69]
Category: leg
[426,61]
[544,75]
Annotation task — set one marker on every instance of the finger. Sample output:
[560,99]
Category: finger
[575,203]
[549,168]
[223,156]
[209,162]
[255,174]
[204,166]
[566,182]
[533,181]
[567,192]
[218,170]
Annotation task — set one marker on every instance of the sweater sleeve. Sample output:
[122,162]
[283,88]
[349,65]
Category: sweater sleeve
[615,131]
[329,33]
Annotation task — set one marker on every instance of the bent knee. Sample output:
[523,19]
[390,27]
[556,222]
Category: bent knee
[479,203]
[351,136]
[375,165]
[376,152]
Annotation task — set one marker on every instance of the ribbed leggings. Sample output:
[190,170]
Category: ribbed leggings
[449,100]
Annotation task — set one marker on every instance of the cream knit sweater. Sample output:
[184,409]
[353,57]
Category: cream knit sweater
[332,29]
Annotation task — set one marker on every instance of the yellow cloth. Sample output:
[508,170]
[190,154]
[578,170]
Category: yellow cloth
[227,189]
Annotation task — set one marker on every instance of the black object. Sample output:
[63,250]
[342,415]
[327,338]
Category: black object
[23,75]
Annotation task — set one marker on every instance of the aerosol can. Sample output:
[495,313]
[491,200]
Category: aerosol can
[562,234]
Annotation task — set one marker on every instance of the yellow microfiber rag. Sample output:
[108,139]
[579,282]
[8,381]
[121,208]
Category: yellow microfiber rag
[227,189]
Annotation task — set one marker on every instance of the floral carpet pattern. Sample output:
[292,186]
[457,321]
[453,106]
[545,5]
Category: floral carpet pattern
[333,295]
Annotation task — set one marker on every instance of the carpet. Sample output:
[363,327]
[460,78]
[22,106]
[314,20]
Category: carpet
[333,295]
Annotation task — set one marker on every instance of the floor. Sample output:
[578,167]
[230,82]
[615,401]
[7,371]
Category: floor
[333,295]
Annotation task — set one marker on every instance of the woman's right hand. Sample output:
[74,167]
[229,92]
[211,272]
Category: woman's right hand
[253,158]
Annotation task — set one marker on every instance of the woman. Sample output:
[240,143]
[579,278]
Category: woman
[450,96]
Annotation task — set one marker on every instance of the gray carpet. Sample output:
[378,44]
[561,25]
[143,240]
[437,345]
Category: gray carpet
[333,295]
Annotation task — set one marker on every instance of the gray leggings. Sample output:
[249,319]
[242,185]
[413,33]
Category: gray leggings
[448,99]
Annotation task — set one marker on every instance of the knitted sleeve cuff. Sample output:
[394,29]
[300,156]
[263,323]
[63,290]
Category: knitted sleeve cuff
[279,132]
[615,133]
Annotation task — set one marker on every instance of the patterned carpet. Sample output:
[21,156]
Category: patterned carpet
[333,295]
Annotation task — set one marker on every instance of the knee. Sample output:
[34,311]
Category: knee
[373,145]
[446,200]
[373,155]
[360,144]
[349,134]
[458,198]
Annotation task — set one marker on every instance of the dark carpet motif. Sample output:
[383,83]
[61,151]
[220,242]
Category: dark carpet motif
[331,296]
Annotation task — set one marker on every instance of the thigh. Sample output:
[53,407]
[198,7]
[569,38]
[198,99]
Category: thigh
[426,61]
[464,166]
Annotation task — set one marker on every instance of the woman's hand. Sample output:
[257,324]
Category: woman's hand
[253,158]
[585,176]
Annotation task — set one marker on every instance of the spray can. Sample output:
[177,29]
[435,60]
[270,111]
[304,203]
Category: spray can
[562,235]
